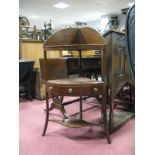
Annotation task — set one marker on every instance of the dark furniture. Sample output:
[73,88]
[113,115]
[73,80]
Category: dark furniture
[91,66]
[125,94]
[25,75]
[118,71]
[76,39]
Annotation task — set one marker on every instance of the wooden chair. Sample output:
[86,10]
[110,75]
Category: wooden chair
[75,39]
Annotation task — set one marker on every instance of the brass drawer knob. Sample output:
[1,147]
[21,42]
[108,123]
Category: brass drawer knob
[95,90]
[70,90]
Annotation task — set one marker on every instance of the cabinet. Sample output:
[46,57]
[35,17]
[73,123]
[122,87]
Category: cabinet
[118,69]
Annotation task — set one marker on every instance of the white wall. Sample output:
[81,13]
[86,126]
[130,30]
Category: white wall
[97,23]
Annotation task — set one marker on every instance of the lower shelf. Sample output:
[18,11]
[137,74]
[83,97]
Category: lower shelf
[120,118]
[74,123]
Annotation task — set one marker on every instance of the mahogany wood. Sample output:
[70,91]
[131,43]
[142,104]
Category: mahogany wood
[76,39]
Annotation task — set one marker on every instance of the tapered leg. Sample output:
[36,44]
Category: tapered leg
[106,128]
[81,107]
[110,117]
[47,115]
[104,117]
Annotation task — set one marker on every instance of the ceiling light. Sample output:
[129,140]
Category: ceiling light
[61,5]
[33,16]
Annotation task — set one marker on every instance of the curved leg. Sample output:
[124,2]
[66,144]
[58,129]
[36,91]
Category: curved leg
[57,103]
[47,115]
[56,100]
[81,107]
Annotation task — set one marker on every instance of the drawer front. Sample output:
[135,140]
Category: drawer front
[76,90]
